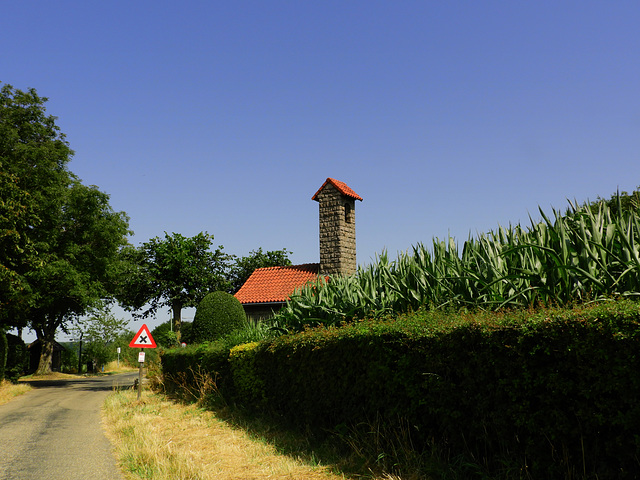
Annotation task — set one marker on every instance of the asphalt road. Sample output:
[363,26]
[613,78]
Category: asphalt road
[54,431]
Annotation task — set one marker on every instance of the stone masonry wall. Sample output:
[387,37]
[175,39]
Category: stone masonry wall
[337,232]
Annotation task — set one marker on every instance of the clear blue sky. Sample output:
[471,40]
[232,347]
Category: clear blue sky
[448,118]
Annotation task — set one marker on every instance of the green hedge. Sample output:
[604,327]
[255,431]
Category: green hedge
[556,391]
[183,369]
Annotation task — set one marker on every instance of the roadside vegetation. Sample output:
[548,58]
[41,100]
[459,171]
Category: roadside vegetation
[541,393]
[10,390]
[161,439]
[513,358]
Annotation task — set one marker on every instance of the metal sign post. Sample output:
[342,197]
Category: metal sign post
[142,339]
[141,365]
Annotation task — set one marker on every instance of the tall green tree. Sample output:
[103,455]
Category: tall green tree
[33,170]
[174,272]
[63,236]
[14,248]
[78,268]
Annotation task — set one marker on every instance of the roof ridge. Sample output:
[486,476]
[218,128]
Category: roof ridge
[306,265]
[342,187]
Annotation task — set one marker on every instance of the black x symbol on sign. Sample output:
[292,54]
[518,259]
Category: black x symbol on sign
[142,339]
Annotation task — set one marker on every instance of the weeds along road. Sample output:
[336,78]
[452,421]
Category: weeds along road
[55,431]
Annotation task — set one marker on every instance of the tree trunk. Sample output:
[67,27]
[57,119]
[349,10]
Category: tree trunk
[46,356]
[177,321]
[47,337]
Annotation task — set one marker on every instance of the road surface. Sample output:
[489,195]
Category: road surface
[54,431]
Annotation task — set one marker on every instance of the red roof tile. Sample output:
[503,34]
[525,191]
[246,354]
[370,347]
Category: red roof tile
[276,284]
[342,187]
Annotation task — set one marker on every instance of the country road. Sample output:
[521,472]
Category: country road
[54,431]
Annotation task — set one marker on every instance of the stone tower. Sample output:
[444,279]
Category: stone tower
[337,227]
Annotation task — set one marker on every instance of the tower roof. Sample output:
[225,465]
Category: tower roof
[342,187]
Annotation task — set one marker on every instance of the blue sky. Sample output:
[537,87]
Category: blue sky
[448,118]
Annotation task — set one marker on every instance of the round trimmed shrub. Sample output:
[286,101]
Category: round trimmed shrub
[217,315]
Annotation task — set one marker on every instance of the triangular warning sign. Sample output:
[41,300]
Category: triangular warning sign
[143,339]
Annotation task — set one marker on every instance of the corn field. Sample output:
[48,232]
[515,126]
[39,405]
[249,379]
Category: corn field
[583,254]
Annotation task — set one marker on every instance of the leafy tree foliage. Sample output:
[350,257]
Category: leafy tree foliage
[174,272]
[33,169]
[164,335]
[99,333]
[78,262]
[244,266]
[61,238]
[14,248]
[186,332]
[620,202]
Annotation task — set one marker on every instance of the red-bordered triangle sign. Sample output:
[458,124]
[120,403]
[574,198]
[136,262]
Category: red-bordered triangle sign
[143,339]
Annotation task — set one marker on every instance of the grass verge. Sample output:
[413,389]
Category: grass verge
[9,391]
[161,439]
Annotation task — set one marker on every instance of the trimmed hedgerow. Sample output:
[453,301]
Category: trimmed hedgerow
[249,385]
[555,391]
[184,369]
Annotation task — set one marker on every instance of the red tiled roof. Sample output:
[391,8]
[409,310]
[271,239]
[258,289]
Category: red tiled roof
[342,187]
[276,284]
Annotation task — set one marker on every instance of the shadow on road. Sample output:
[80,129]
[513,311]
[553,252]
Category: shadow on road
[122,380]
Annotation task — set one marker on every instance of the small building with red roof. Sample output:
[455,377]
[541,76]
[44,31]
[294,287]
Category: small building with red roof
[267,289]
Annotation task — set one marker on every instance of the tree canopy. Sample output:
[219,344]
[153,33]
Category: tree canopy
[620,202]
[62,238]
[33,169]
[174,272]
[99,333]
[178,271]
[78,257]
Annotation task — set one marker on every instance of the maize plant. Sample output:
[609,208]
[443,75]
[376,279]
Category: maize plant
[585,253]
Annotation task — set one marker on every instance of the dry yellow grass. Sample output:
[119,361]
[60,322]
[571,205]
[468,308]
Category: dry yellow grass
[8,391]
[115,367]
[159,439]
[51,376]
